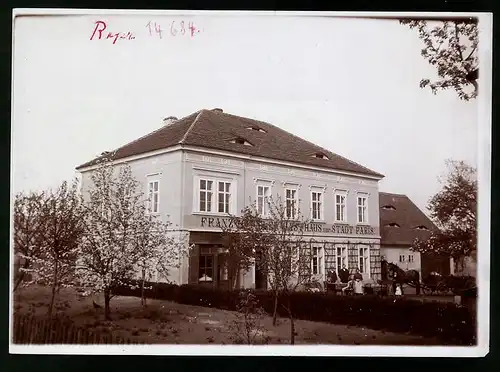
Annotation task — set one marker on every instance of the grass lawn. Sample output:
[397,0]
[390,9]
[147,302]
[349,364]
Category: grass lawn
[165,322]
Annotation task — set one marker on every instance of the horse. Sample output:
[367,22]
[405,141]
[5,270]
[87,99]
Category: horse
[401,277]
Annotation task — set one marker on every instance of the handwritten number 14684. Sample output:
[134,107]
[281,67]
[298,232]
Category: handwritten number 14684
[176,29]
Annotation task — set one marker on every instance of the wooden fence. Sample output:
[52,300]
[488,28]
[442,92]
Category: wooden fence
[30,330]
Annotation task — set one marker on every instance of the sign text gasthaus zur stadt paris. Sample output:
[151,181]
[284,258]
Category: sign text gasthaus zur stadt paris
[312,227]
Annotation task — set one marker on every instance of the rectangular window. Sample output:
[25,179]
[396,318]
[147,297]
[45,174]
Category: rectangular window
[401,258]
[364,260]
[316,205]
[341,258]
[340,206]
[316,260]
[263,194]
[206,195]
[362,209]
[206,268]
[224,196]
[291,202]
[154,196]
[410,258]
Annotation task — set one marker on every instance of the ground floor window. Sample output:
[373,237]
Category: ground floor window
[317,258]
[364,260]
[330,258]
[341,258]
[206,269]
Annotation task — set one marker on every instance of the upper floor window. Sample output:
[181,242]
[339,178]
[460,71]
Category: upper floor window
[154,196]
[206,195]
[410,258]
[263,195]
[401,258]
[316,205]
[215,195]
[291,202]
[224,196]
[340,206]
[362,208]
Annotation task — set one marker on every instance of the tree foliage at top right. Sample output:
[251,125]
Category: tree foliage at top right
[451,46]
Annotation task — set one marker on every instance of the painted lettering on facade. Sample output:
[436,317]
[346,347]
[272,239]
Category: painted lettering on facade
[341,229]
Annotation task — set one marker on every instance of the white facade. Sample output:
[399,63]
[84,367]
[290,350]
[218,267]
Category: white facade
[196,188]
[403,257]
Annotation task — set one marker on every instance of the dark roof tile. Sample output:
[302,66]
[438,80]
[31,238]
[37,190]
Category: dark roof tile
[407,215]
[215,130]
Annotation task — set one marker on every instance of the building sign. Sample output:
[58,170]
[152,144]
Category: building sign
[312,227]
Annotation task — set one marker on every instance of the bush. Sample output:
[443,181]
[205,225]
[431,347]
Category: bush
[451,323]
[459,284]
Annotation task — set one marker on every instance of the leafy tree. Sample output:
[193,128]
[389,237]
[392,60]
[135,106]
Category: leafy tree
[451,45]
[28,228]
[454,211]
[280,249]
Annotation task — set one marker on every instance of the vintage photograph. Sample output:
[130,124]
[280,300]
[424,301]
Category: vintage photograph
[250,180]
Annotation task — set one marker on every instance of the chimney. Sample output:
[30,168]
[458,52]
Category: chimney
[217,110]
[169,120]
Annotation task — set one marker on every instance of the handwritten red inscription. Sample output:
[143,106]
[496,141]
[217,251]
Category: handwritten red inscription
[176,29]
[101,26]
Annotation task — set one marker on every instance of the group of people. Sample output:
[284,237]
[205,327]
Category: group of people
[355,281]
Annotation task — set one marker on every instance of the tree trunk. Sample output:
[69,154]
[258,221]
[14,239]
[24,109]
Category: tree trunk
[234,273]
[275,311]
[292,324]
[54,288]
[143,279]
[107,310]
[417,284]
[51,305]
[22,274]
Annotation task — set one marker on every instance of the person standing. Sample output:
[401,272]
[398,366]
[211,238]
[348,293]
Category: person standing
[344,274]
[357,275]
[357,286]
[398,291]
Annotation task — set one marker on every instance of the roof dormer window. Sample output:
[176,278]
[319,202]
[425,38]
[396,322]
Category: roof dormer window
[421,227]
[393,224]
[389,207]
[320,155]
[257,129]
[241,141]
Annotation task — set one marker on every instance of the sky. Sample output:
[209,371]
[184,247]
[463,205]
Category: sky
[348,85]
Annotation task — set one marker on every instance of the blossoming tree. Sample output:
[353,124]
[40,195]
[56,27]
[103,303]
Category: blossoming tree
[120,236]
[280,249]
